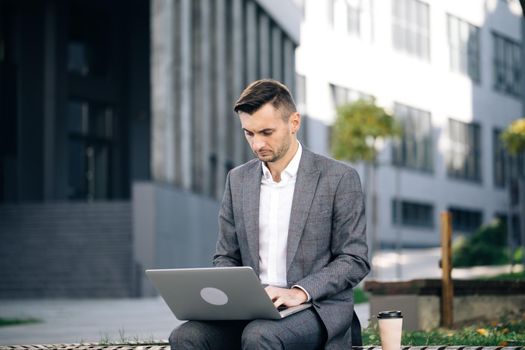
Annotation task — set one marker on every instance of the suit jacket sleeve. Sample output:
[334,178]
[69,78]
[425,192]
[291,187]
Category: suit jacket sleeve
[349,263]
[227,251]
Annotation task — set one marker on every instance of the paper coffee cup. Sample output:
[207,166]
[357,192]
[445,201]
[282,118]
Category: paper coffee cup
[390,327]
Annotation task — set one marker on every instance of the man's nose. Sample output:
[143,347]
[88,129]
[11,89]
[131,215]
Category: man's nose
[257,143]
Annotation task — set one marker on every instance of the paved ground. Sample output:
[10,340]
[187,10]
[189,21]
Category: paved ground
[72,321]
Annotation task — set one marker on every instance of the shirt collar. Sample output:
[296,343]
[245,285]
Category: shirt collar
[291,169]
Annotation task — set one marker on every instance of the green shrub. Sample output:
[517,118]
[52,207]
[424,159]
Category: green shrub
[17,321]
[487,246]
[511,276]
[360,296]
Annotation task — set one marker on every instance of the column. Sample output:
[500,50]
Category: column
[162,90]
[204,94]
[264,45]
[289,64]
[252,72]
[251,41]
[185,88]
[220,93]
[238,76]
[50,98]
[277,54]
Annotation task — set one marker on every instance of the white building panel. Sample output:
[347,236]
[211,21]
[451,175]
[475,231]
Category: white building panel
[368,62]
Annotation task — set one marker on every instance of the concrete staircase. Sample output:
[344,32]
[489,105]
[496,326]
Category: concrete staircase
[51,250]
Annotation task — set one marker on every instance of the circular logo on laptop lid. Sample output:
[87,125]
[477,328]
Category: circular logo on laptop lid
[214,296]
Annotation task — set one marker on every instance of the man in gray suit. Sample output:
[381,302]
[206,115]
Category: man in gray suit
[298,219]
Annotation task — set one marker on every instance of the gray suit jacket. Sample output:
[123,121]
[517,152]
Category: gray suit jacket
[326,252]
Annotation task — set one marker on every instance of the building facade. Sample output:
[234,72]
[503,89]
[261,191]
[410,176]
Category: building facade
[117,132]
[452,75]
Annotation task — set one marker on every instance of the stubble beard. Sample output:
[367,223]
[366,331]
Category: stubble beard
[275,156]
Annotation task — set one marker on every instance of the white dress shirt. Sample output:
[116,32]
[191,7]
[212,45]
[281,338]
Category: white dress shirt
[274,219]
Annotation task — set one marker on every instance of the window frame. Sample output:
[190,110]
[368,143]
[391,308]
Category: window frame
[418,143]
[411,28]
[428,209]
[454,210]
[467,54]
[472,153]
[506,64]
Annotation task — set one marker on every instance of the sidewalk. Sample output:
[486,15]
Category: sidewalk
[424,263]
[96,320]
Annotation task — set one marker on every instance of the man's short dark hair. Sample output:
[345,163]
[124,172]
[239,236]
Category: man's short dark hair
[264,91]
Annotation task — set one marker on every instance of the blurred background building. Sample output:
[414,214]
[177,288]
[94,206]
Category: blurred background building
[451,72]
[117,132]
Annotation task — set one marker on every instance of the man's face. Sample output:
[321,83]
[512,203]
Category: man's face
[269,136]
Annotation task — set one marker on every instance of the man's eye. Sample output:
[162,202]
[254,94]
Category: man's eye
[266,133]
[247,133]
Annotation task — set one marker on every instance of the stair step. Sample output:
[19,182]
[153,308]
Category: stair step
[66,249]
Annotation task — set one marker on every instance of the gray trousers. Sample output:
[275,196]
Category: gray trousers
[303,330]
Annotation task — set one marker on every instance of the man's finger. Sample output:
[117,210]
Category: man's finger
[278,302]
[272,293]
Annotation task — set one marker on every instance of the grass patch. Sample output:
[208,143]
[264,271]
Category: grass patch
[507,331]
[360,296]
[123,339]
[4,322]
[511,276]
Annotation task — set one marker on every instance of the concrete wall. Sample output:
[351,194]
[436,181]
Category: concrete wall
[420,300]
[422,312]
[172,228]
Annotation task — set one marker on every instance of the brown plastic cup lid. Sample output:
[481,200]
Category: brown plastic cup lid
[389,314]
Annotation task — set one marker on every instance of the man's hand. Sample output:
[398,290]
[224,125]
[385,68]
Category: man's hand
[285,296]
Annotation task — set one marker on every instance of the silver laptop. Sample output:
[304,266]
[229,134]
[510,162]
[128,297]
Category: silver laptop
[217,293]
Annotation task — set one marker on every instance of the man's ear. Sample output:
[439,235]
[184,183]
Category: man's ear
[295,122]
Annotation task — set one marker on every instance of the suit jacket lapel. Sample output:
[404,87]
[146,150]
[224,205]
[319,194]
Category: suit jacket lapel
[250,199]
[305,187]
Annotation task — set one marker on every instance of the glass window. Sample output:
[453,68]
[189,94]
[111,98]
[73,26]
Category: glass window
[464,47]
[414,149]
[353,16]
[499,161]
[465,220]
[91,119]
[411,28]
[507,65]
[90,127]
[500,158]
[78,58]
[413,214]
[464,154]
[87,47]
[516,233]
[342,95]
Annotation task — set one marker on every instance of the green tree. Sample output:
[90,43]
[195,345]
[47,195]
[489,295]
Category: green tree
[357,128]
[514,137]
[514,141]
